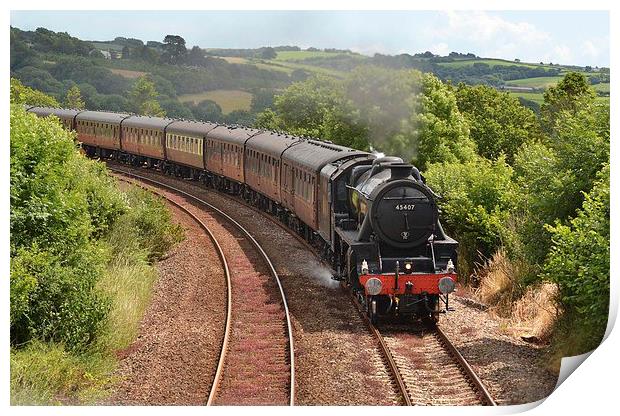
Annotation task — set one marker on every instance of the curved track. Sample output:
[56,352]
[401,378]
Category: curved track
[239,340]
[474,392]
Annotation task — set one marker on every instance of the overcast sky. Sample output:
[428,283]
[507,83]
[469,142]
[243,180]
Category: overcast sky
[567,37]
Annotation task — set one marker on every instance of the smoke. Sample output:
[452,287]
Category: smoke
[388,102]
[323,276]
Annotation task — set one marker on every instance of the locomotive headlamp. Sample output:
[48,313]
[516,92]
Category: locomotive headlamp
[408,267]
[450,266]
[373,286]
[364,267]
[446,285]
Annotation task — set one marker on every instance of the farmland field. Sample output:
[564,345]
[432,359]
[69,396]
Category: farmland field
[490,62]
[538,96]
[233,59]
[537,82]
[229,100]
[299,55]
[126,73]
[601,87]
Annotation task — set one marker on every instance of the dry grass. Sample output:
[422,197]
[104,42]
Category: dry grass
[228,100]
[529,312]
[126,73]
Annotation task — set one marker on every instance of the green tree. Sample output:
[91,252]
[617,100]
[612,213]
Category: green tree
[442,133]
[579,264]
[174,49]
[268,53]
[316,107]
[498,123]
[20,94]
[477,197]
[143,98]
[570,94]
[207,110]
[74,98]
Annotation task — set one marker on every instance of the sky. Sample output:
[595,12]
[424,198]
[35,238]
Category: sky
[566,37]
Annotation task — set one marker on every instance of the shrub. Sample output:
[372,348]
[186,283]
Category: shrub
[475,200]
[578,263]
[60,204]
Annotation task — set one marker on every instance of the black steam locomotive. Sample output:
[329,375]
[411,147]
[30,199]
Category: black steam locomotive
[373,218]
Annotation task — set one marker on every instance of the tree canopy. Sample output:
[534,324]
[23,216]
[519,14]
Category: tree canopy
[143,98]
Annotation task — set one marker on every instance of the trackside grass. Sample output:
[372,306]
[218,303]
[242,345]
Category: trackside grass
[46,373]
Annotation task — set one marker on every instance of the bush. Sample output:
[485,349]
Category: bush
[578,263]
[60,204]
[475,201]
[150,222]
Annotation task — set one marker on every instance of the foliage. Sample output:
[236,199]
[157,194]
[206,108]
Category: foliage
[498,123]
[316,107]
[442,131]
[578,262]
[46,373]
[60,204]
[174,49]
[570,94]
[476,197]
[21,94]
[74,98]
[553,176]
[207,110]
[143,98]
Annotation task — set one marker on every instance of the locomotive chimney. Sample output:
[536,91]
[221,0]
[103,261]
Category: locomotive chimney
[400,170]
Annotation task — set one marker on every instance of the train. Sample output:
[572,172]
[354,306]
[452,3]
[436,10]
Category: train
[374,219]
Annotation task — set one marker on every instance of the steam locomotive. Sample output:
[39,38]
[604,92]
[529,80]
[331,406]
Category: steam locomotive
[373,218]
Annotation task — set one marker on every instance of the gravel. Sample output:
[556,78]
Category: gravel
[173,359]
[514,371]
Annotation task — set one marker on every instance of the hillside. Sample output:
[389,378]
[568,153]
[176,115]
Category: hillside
[233,85]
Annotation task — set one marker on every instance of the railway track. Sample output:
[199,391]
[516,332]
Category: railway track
[439,350]
[258,326]
[426,366]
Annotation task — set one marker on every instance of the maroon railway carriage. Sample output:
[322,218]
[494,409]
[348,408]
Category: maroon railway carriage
[99,131]
[302,164]
[225,154]
[143,138]
[66,116]
[263,153]
[185,143]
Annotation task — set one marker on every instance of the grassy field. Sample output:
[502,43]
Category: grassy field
[233,59]
[126,73]
[491,62]
[537,82]
[229,100]
[602,87]
[300,55]
[538,96]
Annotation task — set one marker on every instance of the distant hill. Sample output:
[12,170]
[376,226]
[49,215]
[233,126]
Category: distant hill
[235,84]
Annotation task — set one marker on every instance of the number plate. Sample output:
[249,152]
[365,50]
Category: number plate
[404,207]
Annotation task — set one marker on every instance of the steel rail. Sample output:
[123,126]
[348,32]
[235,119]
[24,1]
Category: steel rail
[262,253]
[222,256]
[465,367]
[387,354]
